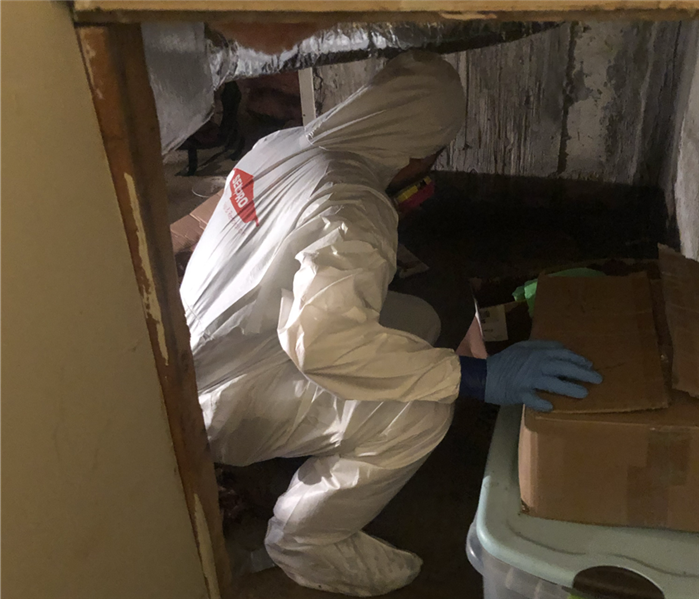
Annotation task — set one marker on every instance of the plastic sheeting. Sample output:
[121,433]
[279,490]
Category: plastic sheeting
[181,79]
[355,41]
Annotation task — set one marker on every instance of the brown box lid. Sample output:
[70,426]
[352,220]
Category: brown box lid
[609,320]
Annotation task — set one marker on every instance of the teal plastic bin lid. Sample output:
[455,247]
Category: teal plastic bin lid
[557,551]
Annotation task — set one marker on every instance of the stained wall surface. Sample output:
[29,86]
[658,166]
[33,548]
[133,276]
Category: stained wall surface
[681,173]
[584,100]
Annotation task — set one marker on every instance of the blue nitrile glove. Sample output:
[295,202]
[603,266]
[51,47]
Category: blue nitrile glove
[515,374]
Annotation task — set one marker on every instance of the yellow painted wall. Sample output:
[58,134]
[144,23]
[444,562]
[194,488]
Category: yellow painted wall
[92,504]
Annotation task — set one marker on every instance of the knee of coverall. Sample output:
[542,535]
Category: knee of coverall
[411,314]
[408,433]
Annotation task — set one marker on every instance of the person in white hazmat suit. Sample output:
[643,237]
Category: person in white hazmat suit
[299,348]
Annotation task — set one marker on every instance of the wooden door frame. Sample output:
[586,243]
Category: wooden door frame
[116,68]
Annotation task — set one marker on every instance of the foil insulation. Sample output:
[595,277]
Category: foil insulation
[188,62]
[180,76]
[356,41]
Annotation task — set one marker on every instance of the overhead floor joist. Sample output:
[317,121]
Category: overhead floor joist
[290,11]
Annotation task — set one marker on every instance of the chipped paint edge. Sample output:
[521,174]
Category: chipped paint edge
[206,550]
[89,54]
[150,299]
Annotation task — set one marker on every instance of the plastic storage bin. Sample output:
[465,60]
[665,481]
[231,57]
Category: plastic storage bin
[525,557]
[501,581]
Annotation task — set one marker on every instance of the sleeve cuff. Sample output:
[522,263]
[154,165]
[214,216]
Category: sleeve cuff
[473,376]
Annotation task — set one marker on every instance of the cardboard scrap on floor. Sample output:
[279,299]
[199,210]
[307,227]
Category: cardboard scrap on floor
[187,231]
[633,466]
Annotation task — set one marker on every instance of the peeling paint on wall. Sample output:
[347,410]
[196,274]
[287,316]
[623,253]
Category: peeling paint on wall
[88,56]
[151,302]
[514,107]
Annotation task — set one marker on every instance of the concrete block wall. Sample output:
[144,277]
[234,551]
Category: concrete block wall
[584,100]
[613,102]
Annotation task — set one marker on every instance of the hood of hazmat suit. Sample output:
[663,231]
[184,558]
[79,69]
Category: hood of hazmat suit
[283,296]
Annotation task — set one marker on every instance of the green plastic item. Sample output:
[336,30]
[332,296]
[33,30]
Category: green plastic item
[528,290]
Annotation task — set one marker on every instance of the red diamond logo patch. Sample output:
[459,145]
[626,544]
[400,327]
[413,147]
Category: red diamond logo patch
[241,196]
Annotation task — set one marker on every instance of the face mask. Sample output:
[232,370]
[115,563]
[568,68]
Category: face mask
[412,196]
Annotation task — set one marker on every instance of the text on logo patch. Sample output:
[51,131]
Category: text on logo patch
[241,190]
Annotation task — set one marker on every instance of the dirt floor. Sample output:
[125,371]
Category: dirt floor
[491,234]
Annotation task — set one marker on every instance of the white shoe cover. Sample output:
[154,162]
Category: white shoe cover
[361,565]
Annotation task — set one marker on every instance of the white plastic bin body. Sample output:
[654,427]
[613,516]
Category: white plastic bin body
[501,581]
[531,557]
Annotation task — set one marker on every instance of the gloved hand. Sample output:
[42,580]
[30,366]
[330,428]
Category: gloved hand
[515,374]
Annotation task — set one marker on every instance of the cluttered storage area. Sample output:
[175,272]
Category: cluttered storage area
[566,209]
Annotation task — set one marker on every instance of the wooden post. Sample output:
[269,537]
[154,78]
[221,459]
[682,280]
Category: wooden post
[115,63]
[308,96]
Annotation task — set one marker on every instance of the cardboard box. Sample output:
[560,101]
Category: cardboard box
[622,463]
[628,469]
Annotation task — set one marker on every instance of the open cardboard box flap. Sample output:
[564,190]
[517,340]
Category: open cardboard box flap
[680,278]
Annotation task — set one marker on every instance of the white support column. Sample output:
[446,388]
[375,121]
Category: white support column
[308,101]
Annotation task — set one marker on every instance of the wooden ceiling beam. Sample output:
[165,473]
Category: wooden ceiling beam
[309,11]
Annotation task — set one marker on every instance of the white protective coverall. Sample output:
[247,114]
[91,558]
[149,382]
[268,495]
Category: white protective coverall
[283,296]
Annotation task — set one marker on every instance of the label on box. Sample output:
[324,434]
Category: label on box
[494,323]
